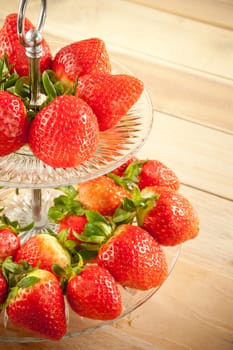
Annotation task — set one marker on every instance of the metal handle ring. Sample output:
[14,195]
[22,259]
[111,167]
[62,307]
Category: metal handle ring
[35,38]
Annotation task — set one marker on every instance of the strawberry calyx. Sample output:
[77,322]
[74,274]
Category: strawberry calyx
[130,176]
[65,205]
[16,275]
[67,273]
[98,230]
[148,201]
[50,87]
[14,272]
[14,226]
[135,208]
[7,79]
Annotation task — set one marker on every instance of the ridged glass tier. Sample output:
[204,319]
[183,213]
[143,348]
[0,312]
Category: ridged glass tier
[22,169]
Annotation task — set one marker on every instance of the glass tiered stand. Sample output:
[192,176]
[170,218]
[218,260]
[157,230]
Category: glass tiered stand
[30,186]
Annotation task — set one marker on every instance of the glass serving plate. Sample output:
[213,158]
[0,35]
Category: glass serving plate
[21,169]
[17,202]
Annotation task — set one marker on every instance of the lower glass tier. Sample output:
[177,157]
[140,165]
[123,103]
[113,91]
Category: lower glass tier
[19,205]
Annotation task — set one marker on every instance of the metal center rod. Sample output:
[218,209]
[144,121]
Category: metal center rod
[32,41]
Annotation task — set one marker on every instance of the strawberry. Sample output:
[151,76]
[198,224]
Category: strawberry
[10,44]
[110,96]
[73,223]
[101,194]
[3,288]
[64,133]
[14,124]
[134,258]
[9,243]
[70,216]
[171,219]
[93,293]
[9,239]
[36,304]
[144,173]
[79,58]
[155,173]
[44,249]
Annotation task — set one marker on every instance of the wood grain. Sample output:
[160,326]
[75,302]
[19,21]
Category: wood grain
[214,12]
[145,30]
[196,153]
[115,339]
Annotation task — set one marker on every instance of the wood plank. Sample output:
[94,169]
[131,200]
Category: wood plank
[115,339]
[145,30]
[142,29]
[200,156]
[216,12]
[193,309]
[215,233]
[181,91]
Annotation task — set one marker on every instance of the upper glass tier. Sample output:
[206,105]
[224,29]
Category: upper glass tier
[23,170]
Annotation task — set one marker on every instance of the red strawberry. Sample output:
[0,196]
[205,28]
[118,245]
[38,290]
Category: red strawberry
[10,44]
[3,288]
[146,173]
[93,293]
[9,239]
[38,305]
[101,194]
[43,248]
[73,223]
[172,220]
[64,133]
[134,258]
[110,96]
[79,58]
[9,243]
[14,124]
[155,173]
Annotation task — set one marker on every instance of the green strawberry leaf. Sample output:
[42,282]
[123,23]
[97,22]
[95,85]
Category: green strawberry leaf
[88,254]
[48,80]
[133,170]
[7,79]
[93,216]
[22,87]
[65,205]
[28,281]
[14,272]
[59,88]
[13,292]
[90,247]
[14,226]
[144,206]
[68,190]
[70,245]
[58,270]
[122,216]
[131,174]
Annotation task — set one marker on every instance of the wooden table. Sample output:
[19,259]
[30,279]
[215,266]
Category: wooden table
[183,51]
